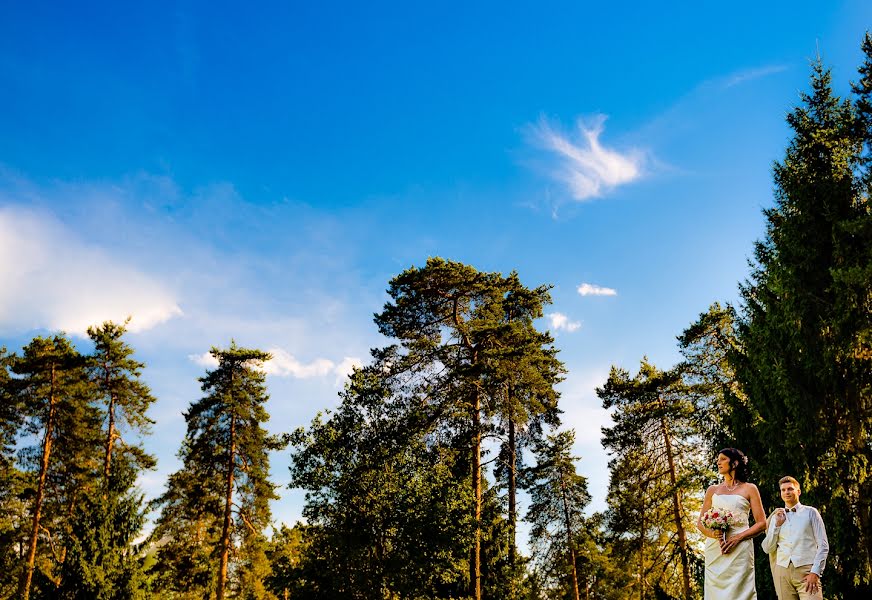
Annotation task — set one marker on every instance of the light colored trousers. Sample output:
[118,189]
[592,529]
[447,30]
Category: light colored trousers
[789,583]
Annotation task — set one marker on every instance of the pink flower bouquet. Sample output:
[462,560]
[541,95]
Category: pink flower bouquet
[719,519]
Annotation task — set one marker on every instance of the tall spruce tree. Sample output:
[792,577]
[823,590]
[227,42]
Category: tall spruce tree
[656,471]
[805,324]
[52,385]
[103,561]
[216,507]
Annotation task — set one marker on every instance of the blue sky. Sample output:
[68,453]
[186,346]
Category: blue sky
[261,174]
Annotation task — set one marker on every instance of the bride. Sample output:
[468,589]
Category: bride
[729,564]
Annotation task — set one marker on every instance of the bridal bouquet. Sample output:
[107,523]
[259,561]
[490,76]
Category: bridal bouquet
[719,519]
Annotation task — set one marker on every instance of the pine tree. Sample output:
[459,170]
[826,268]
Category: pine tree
[101,561]
[524,362]
[468,339]
[53,389]
[218,503]
[116,377]
[12,508]
[445,316]
[558,496]
[657,466]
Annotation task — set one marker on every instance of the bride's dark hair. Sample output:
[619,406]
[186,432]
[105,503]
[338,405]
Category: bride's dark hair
[738,462]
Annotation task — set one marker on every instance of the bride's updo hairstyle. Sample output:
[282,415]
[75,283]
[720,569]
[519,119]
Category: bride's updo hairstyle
[738,462]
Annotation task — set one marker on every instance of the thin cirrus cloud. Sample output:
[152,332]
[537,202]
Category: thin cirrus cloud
[589,289]
[739,77]
[53,279]
[560,322]
[284,364]
[587,167]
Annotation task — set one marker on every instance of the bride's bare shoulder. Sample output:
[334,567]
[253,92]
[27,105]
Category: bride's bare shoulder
[752,489]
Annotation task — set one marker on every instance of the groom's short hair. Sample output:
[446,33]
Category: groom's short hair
[788,479]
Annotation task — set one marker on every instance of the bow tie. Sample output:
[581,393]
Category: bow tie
[791,509]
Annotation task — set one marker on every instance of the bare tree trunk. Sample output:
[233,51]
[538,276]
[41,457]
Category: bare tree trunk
[110,436]
[642,559]
[475,564]
[228,506]
[676,508]
[513,484]
[569,543]
[27,576]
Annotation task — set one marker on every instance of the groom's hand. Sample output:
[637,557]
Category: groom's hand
[812,583]
[780,517]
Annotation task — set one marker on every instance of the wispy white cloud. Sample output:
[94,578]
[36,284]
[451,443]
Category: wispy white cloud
[589,289]
[54,279]
[284,364]
[746,75]
[585,165]
[559,321]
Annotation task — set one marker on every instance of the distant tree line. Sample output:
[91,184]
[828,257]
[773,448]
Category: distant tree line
[451,435]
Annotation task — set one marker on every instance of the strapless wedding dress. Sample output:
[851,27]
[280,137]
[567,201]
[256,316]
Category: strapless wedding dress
[730,576]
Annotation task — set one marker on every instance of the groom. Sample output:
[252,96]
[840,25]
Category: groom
[797,536]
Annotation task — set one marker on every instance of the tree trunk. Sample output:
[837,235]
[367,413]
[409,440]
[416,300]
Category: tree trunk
[475,563]
[513,509]
[676,508]
[228,506]
[642,559]
[27,576]
[569,543]
[110,436]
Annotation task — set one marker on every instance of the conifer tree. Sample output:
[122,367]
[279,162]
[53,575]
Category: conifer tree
[386,500]
[805,325]
[116,378]
[12,509]
[656,469]
[558,495]
[11,417]
[102,561]
[524,363]
[53,389]
[446,316]
[217,505]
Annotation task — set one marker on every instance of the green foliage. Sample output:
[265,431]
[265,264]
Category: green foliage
[51,385]
[655,475]
[398,504]
[806,325]
[102,560]
[116,379]
[284,553]
[558,496]
[388,515]
[216,507]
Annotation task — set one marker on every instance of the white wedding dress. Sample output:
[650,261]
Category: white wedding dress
[730,576]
